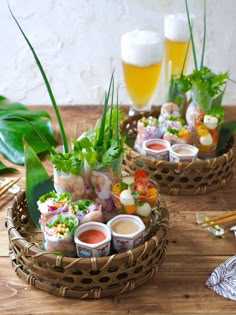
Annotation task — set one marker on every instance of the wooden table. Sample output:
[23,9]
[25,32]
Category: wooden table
[178,287]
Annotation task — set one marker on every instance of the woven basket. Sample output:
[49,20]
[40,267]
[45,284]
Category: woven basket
[182,178]
[82,277]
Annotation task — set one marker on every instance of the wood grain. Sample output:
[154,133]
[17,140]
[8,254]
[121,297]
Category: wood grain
[178,287]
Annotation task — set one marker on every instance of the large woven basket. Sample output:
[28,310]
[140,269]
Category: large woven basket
[82,277]
[187,178]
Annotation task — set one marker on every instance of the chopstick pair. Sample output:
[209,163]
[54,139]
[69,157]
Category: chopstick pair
[4,188]
[227,217]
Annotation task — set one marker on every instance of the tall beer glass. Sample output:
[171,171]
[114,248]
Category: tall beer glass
[177,38]
[141,54]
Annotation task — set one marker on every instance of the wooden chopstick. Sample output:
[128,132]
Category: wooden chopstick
[4,188]
[229,216]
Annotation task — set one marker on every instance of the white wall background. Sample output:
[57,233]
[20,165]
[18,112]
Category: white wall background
[78,43]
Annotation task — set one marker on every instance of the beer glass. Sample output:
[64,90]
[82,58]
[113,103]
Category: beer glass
[141,54]
[177,37]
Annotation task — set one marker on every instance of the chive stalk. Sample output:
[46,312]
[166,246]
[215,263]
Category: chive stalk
[204,37]
[63,135]
[110,131]
[103,122]
[185,59]
[117,118]
[191,36]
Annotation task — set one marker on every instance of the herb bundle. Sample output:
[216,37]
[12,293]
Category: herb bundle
[205,84]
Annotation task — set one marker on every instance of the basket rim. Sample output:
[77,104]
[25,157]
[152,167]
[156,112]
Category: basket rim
[33,249]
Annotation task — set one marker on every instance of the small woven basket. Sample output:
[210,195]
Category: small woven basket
[182,178]
[82,277]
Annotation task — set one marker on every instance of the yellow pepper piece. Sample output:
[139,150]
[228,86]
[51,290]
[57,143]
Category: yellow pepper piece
[202,131]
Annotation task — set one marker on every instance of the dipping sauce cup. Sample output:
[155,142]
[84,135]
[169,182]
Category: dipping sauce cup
[92,239]
[157,148]
[182,153]
[127,232]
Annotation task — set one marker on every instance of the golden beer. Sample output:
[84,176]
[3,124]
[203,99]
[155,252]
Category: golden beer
[141,82]
[175,52]
[177,37]
[141,54]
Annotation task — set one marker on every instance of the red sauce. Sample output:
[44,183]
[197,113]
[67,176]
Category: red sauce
[156,146]
[92,236]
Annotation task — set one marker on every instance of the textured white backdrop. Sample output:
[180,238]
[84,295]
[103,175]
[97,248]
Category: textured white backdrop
[78,43]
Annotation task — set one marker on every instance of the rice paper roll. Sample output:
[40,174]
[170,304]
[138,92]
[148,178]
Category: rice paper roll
[52,203]
[100,183]
[86,210]
[72,183]
[59,234]
[182,135]
[147,128]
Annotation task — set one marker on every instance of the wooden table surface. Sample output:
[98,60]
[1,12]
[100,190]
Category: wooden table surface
[179,285]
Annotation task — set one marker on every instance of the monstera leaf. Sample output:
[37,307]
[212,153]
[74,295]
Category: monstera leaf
[16,121]
[12,131]
[6,169]
[38,182]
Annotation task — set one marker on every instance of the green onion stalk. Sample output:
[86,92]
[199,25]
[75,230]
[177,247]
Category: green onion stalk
[52,98]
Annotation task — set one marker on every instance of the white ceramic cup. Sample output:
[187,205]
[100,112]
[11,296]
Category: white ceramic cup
[161,152]
[122,240]
[100,248]
[182,153]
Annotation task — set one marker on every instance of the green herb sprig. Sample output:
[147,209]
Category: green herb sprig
[206,84]
[102,145]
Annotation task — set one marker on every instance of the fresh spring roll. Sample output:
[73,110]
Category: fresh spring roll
[86,210]
[71,183]
[147,128]
[59,234]
[100,183]
[182,135]
[52,203]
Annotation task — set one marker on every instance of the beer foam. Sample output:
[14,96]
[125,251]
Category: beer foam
[176,27]
[141,47]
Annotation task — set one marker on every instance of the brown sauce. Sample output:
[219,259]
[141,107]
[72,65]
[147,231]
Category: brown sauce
[124,227]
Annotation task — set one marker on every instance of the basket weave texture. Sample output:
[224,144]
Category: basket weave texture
[182,178]
[82,277]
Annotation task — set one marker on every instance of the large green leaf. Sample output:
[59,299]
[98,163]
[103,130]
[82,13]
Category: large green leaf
[226,131]
[29,115]
[18,109]
[6,169]
[11,133]
[38,182]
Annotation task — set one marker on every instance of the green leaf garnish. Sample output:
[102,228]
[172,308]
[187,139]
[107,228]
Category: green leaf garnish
[57,197]
[38,182]
[81,205]
[226,131]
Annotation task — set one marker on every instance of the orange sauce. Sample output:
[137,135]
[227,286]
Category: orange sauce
[156,146]
[92,236]
[124,227]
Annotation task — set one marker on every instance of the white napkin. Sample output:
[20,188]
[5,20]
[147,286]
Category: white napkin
[223,279]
